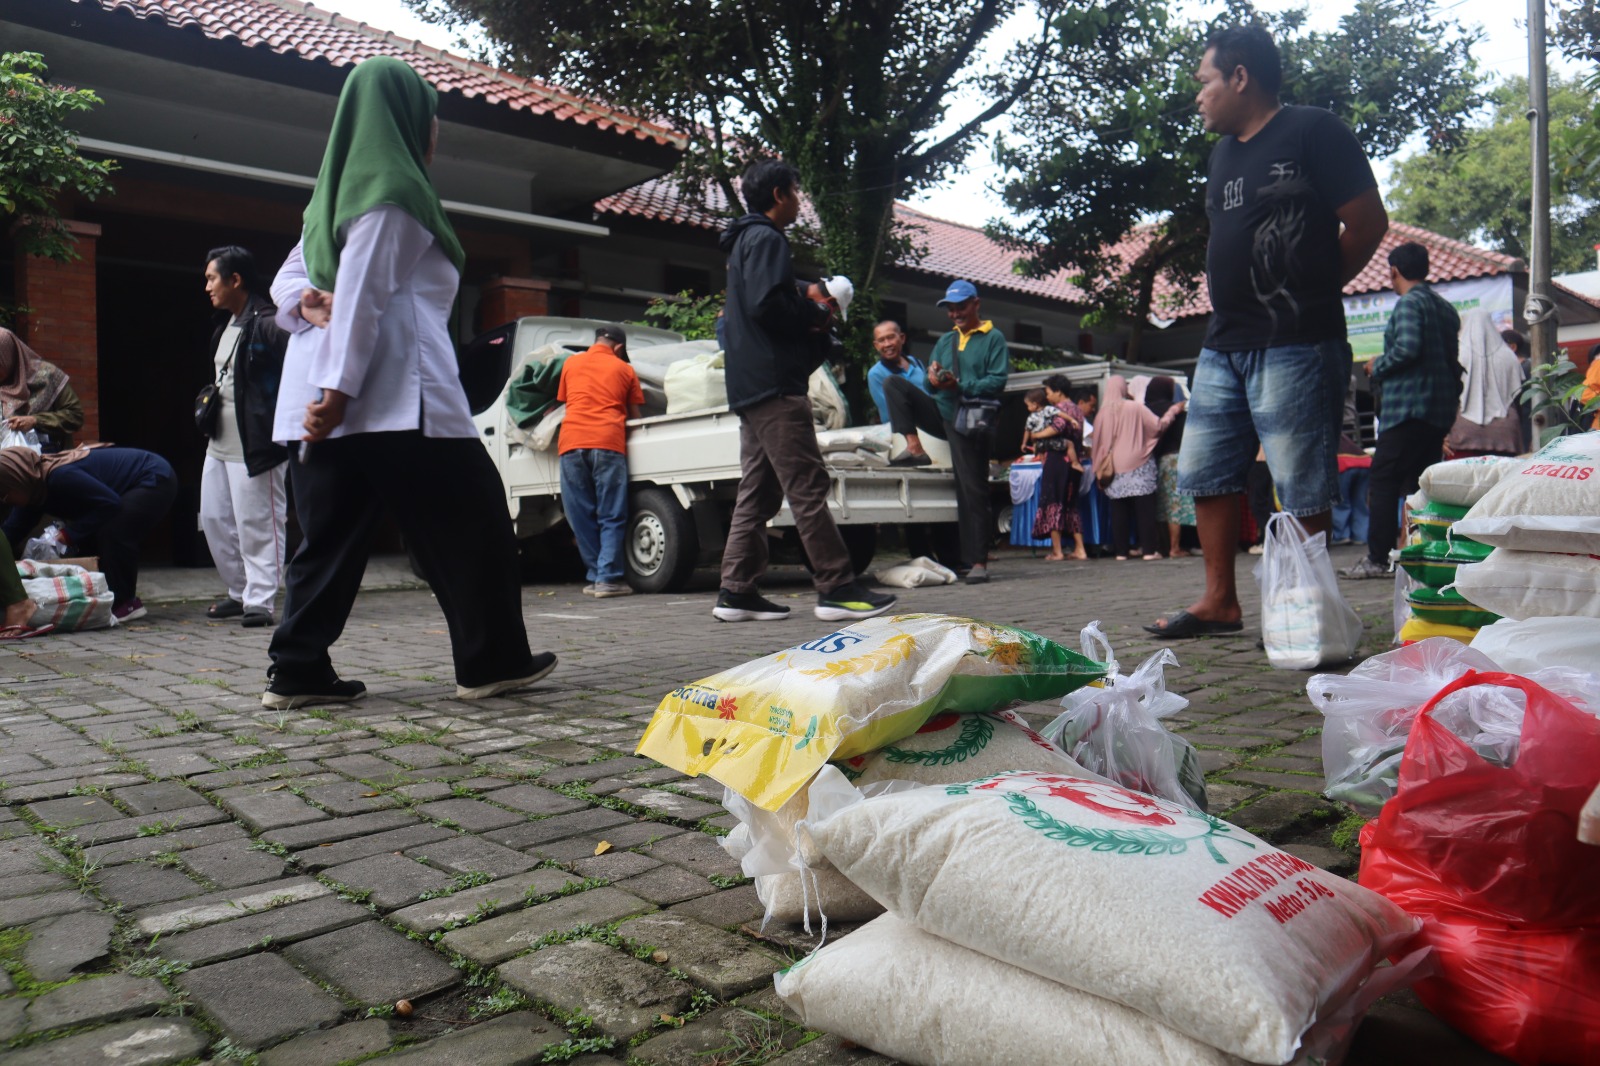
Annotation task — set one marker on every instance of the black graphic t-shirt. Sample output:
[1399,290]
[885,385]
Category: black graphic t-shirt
[1273,262]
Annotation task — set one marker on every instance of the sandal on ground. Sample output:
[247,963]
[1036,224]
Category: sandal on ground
[22,632]
[1183,625]
[227,607]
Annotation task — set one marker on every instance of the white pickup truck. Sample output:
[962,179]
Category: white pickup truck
[684,468]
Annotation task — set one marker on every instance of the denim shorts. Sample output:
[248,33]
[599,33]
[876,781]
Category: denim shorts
[1289,401]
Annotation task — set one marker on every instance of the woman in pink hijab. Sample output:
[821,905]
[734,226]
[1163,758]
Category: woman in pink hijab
[1125,438]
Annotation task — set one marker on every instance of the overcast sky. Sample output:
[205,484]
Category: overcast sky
[1502,52]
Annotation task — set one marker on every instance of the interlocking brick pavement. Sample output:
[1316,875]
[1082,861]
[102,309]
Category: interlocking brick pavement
[273,877]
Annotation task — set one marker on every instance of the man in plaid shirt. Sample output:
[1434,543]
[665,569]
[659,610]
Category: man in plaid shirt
[1419,375]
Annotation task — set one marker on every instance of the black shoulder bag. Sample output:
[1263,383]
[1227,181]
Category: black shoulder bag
[208,402]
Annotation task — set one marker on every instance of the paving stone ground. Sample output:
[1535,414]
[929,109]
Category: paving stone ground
[185,875]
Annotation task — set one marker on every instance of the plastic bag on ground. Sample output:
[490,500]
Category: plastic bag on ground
[69,597]
[765,728]
[1176,914]
[1305,621]
[47,547]
[917,573]
[1488,856]
[1116,731]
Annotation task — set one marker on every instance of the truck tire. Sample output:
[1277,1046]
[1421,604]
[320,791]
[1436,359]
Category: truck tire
[661,545]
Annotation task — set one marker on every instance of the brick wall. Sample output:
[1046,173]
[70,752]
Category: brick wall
[60,321]
[508,299]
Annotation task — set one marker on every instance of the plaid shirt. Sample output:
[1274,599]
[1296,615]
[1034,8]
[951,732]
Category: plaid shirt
[1420,369]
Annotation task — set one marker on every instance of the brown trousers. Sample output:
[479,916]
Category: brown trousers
[779,458]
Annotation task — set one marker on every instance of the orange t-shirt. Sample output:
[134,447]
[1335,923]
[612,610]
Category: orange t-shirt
[597,388]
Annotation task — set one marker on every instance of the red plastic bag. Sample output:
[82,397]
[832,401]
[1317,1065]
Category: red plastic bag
[1488,856]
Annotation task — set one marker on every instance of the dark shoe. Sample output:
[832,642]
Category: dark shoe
[1365,570]
[225,608]
[604,590]
[912,460]
[1182,625]
[255,618]
[747,607]
[285,694]
[543,663]
[129,611]
[851,602]
[978,575]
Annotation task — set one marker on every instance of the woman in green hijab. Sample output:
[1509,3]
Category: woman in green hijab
[371,397]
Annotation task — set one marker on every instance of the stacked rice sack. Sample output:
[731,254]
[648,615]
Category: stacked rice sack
[1542,519]
[1097,926]
[1434,606]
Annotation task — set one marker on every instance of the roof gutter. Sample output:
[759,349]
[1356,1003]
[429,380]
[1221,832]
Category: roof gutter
[300,181]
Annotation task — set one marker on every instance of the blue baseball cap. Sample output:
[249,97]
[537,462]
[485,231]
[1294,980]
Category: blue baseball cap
[958,292]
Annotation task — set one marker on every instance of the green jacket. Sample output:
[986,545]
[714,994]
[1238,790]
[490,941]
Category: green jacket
[981,366]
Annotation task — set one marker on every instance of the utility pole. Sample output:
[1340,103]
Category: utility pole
[1540,310]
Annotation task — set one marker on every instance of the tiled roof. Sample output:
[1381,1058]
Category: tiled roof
[294,27]
[952,249]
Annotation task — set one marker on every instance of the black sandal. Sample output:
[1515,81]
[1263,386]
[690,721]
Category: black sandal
[1183,625]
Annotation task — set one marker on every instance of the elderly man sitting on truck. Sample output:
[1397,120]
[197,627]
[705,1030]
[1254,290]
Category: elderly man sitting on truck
[601,391]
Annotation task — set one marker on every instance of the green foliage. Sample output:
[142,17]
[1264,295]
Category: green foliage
[1107,161]
[693,316]
[1482,191]
[39,157]
[570,1049]
[459,883]
[1346,835]
[1558,389]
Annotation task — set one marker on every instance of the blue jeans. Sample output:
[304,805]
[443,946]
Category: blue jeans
[594,494]
[1289,401]
[1350,513]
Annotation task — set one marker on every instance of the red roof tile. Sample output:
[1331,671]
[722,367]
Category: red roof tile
[952,250]
[295,27]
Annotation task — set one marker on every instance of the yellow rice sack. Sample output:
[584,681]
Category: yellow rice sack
[765,728]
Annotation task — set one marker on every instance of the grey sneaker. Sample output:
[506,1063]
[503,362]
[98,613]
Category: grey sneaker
[607,589]
[588,590]
[1365,570]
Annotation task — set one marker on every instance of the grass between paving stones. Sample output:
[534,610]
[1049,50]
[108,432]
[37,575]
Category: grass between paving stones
[459,883]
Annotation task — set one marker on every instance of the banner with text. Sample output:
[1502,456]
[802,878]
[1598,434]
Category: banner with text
[1366,316]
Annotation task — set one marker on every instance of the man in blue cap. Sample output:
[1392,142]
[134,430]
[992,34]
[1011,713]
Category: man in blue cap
[967,373]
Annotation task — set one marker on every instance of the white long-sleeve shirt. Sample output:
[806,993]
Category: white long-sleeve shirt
[387,345]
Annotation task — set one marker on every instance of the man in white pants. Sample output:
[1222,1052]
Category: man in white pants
[242,494]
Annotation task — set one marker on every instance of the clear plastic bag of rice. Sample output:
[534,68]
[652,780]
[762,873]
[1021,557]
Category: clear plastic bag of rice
[1166,910]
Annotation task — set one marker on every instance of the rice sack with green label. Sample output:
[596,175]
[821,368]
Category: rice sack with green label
[1171,912]
[948,749]
[908,994]
[765,728]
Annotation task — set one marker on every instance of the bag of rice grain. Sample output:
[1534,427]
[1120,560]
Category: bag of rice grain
[922,1000]
[949,749]
[1463,482]
[765,728]
[1549,502]
[1519,584]
[1176,914]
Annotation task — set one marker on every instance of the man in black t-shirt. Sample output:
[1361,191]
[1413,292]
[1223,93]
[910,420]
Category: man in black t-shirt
[1295,214]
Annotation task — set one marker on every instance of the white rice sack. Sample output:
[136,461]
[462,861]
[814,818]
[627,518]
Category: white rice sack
[1549,502]
[696,383]
[69,597]
[911,576]
[1517,584]
[1174,913]
[907,994]
[1540,643]
[1463,482]
[949,749]
[854,438]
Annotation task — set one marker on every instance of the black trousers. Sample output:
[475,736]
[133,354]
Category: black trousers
[1404,451]
[448,501]
[913,411]
[1139,511]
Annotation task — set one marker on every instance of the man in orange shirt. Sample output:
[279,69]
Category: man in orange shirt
[601,391]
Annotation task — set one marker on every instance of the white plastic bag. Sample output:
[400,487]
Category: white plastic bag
[47,547]
[13,438]
[1116,731]
[1305,621]
[916,573]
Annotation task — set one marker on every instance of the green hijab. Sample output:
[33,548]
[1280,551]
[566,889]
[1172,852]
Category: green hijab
[374,156]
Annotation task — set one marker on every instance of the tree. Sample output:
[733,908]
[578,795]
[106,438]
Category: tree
[1107,159]
[39,157]
[855,94]
[1482,192]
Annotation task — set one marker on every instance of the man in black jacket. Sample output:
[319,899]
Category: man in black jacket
[774,338]
[242,495]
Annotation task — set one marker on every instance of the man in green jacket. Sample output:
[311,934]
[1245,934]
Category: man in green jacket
[971,362]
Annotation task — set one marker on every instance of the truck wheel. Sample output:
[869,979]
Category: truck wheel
[661,544]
